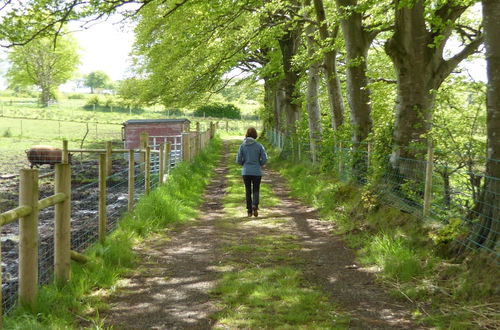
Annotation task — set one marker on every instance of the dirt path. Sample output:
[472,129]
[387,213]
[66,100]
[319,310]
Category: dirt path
[329,266]
[170,290]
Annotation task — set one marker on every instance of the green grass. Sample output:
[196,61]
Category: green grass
[449,294]
[273,298]
[264,287]
[63,307]
[23,125]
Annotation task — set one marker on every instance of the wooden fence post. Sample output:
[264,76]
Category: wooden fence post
[143,143]
[131,179]
[161,172]
[341,160]
[167,154]
[428,180]
[147,171]
[65,153]
[185,146]
[192,146]
[368,155]
[109,154]
[227,126]
[62,227]
[102,198]
[212,130]
[198,139]
[28,238]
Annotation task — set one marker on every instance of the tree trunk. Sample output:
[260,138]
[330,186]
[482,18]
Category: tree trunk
[272,102]
[411,57]
[313,108]
[330,67]
[447,187]
[289,44]
[45,96]
[357,42]
[420,70]
[487,231]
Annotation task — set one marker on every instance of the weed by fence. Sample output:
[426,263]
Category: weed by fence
[430,190]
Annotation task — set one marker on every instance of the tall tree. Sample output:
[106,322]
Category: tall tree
[487,230]
[289,45]
[333,86]
[358,39]
[96,79]
[313,77]
[416,48]
[43,64]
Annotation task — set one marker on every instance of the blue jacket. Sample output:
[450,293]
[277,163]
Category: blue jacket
[252,156]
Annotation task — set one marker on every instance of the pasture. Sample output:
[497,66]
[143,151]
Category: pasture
[24,124]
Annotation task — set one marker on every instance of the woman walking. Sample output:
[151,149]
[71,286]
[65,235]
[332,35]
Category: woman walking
[252,156]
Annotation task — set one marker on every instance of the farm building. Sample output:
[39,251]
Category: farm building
[159,130]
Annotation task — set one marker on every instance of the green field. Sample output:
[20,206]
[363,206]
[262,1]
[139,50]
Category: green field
[23,124]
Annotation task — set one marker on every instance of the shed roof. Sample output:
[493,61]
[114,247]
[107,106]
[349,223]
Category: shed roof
[154,121]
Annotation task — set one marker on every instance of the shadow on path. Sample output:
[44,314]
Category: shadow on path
[328,265]
[170,288]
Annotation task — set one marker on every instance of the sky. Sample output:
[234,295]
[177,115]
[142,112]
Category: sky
[105,46]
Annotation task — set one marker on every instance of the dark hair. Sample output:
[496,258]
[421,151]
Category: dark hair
[251,132]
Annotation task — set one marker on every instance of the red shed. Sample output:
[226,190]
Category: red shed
[158,130]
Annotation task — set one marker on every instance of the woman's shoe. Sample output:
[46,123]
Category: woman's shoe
[255,211]
[249,214]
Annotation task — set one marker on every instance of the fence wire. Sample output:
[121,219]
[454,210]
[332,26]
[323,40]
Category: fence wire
[458,194]
[84,217]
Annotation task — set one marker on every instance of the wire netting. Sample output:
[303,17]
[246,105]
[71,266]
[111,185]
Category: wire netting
[84,215]
[458,194]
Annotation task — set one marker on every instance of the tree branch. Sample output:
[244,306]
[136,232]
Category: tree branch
[446,67]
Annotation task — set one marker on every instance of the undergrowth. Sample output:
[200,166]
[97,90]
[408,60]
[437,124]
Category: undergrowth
[447,293]
[69,306]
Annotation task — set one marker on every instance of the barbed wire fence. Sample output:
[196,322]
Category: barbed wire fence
[454,193]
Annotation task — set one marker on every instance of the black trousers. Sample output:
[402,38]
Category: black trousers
[252,180]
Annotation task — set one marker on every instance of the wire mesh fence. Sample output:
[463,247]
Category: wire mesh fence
[430,190]
[84,217]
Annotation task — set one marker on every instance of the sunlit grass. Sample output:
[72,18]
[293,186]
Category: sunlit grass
[273,298]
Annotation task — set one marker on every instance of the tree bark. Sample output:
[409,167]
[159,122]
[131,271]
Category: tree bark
[487,231]
[330,67]
[420,69]
[313,108]
[272,102]
[289,44]
[357,41]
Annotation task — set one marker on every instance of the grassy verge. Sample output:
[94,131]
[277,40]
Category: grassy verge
[263,286]
[61,307]
[450,294]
